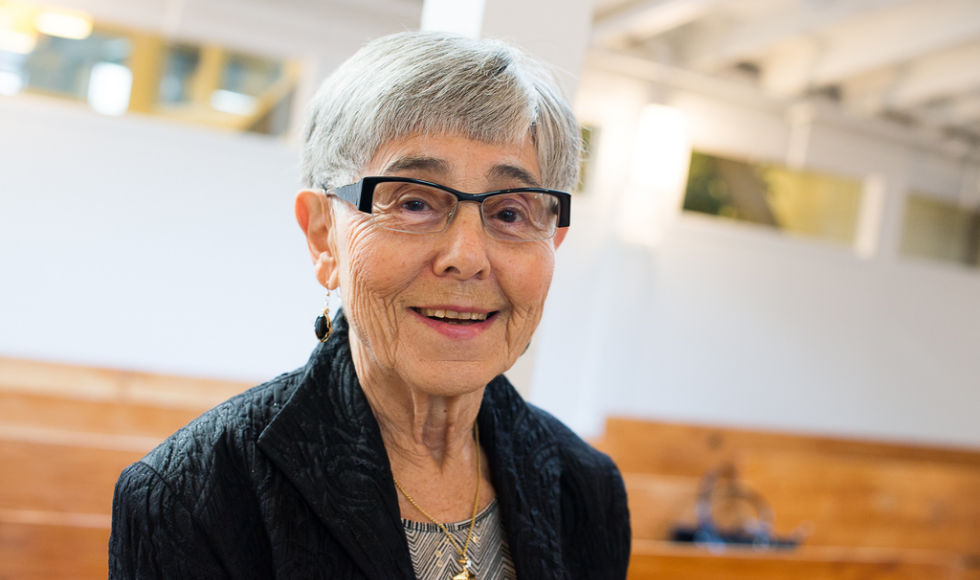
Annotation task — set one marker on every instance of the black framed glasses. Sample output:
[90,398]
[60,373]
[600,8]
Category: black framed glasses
[404,204]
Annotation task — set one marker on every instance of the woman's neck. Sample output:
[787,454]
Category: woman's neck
[430,442]
[423,428]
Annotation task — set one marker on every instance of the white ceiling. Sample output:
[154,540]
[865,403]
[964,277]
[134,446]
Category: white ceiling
[288,28]
[908,62]
[911,62]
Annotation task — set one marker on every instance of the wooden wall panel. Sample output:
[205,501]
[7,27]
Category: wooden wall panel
[657,502]
[851,493]
[51,412]
[66,433]
[101,384]
[856,501]
[60,478]
[972,570]
[42,552]
[840,501]
[896,512]
[655,447]
[659,561]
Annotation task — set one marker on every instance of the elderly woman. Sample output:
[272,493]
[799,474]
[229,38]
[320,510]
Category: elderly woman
[433,165]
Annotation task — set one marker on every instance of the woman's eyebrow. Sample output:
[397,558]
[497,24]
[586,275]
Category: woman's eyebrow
[512,173]
[418,163]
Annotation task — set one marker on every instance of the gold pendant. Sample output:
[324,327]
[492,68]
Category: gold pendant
[465,573]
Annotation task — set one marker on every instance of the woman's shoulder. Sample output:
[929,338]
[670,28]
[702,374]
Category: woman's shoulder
[194,495]
[222,437]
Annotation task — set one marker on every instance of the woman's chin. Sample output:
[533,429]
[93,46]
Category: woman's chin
[453,378]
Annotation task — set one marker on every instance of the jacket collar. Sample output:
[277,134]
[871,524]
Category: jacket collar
[525,467]
[326,440]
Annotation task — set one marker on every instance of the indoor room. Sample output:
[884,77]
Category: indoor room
[766,309]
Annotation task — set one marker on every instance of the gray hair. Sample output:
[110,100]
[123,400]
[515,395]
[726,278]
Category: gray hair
[436,83]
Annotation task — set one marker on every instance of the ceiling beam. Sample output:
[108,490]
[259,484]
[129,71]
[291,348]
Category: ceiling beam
[648,18]
[962,111]
[938,76]
[715,47]
[861,45]
[639,67]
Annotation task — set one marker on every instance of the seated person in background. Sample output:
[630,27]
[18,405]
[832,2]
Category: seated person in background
[400,450]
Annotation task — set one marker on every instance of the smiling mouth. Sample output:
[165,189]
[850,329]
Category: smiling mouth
[454,317]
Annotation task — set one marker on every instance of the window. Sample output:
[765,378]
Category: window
[804,202]
[63,53]
[589,134]
[179,69]
[941,230]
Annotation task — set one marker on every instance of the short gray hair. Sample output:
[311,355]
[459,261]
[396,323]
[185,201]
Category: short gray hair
[437,83]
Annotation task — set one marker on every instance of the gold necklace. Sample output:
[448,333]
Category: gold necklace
[464,562]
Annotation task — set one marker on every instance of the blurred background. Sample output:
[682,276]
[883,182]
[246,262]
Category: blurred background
[777,231]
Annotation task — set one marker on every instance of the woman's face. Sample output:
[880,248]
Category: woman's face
[403,290]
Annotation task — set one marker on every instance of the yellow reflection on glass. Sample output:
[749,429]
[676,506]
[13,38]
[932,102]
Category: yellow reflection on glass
[17,33]
[109,88]
[814,203]
[941,230]
[61,52]
[792,200]
[76,26]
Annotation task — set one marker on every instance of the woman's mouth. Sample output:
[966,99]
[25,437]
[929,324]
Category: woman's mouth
[460,318]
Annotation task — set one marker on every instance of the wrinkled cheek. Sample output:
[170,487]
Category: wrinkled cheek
[376,326]
[527,310]
[371,299]
[520,331]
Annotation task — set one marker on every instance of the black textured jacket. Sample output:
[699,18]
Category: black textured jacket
[291,480]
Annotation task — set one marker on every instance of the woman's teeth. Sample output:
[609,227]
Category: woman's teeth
[451,314]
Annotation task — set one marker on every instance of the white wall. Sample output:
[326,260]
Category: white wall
[729,323]
[139,243]
[127,242]
[136,244]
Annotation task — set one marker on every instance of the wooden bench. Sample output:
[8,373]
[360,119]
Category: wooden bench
[52,551]
[672,561]
[872,509]
[65,434]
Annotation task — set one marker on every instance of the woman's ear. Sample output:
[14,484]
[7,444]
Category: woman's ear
[314,214]
[560,236]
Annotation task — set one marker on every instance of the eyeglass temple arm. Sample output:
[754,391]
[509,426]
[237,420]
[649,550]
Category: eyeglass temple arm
[565,211]
[352,194]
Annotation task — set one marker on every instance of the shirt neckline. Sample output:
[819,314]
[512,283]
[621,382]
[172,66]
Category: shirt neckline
[452,527]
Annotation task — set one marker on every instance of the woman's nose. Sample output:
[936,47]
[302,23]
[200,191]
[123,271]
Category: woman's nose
[463,246]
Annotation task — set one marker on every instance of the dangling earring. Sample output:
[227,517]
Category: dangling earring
[323,325]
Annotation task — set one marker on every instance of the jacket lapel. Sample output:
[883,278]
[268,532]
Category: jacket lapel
[526,472]
[327,442]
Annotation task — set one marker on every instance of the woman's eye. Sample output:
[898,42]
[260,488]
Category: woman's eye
[415,205]
[509,215]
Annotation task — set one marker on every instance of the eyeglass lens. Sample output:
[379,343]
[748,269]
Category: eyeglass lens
[418,208]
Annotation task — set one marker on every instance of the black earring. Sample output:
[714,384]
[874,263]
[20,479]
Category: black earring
[323,325]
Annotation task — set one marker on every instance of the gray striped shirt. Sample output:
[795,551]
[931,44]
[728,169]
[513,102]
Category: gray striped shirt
[434,558]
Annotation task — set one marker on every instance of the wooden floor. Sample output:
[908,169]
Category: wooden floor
[871,510]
